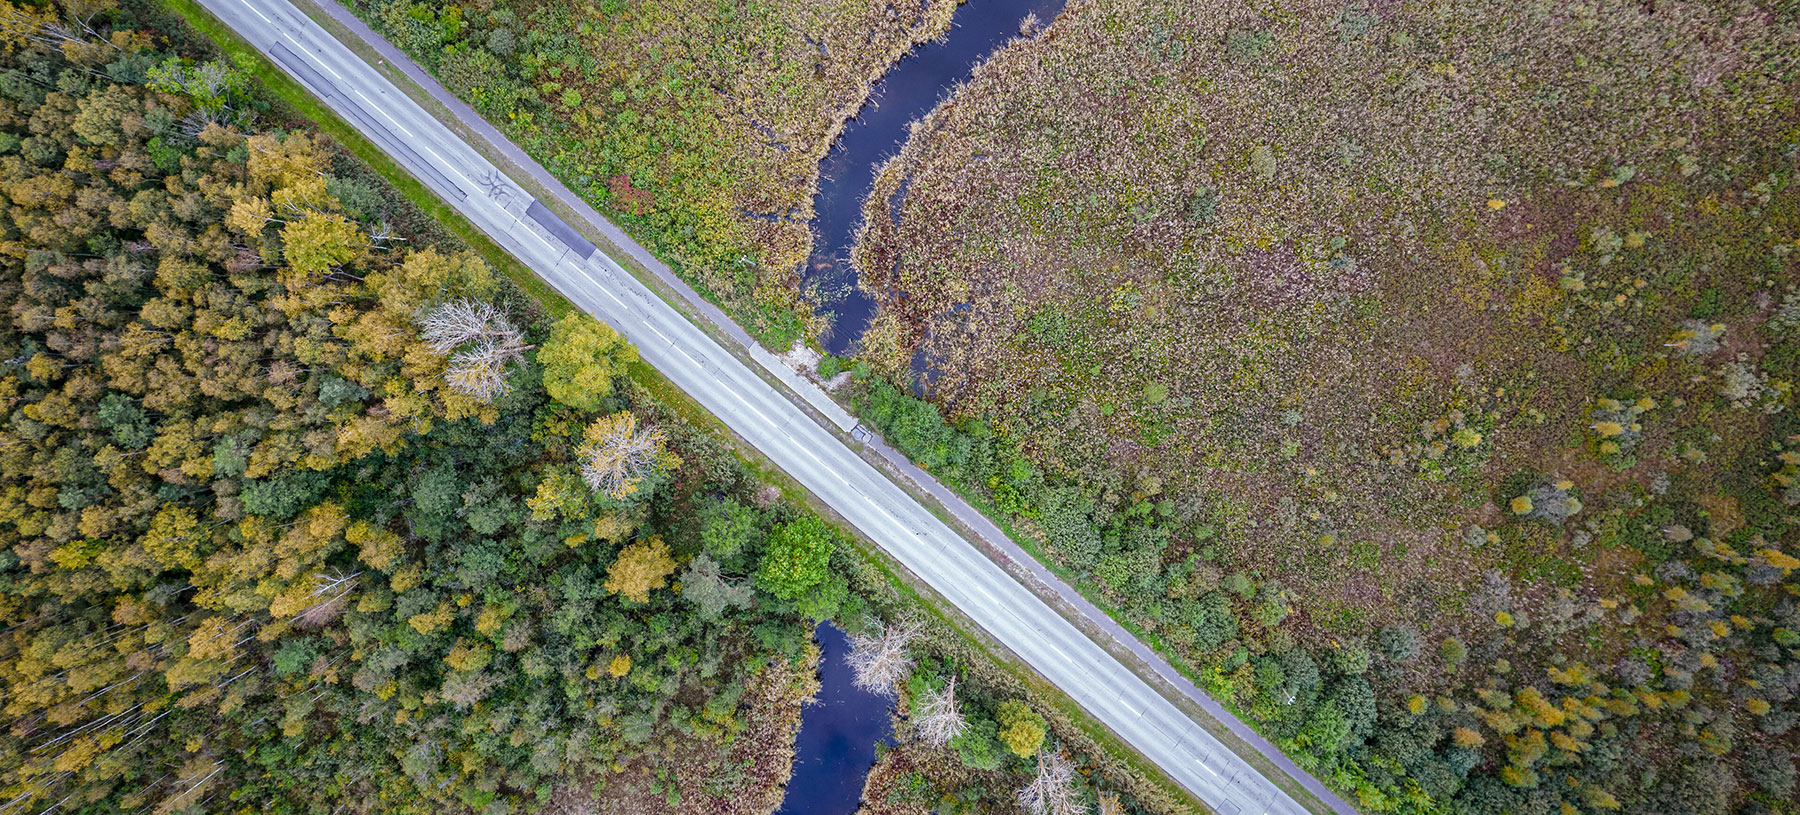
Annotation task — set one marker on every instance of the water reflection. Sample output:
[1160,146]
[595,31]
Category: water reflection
[838,734]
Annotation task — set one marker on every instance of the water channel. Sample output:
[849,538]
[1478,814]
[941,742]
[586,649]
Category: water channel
[838,734]
[907,92]
[840,731]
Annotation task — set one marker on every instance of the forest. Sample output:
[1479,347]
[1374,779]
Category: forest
[1417,377]
[301,513]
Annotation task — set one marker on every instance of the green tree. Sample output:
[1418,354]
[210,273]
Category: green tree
[703,585]
[979,745]
[796,558]
[796,565]
[727,527]
[1399,643]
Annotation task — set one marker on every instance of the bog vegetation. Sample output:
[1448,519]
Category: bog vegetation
[298,514]
[698,126]
[1420,376]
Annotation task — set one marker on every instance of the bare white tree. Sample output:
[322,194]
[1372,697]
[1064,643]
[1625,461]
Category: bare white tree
[1053,791]
[879,660]
[76,27]
[480,371]
[459,322]
[336,589]
[937,717]
[616,454]
[482,343]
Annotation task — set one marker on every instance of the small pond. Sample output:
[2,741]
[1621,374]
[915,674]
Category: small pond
[838,734]
[909,91]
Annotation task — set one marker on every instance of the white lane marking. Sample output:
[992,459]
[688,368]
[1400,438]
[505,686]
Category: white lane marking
[369,103]
[304,51]
[253,10]
[547,245]
[425,145]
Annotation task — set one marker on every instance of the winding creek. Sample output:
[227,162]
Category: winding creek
[840,731]
[907,92]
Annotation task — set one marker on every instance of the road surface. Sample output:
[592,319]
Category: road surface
[753,409]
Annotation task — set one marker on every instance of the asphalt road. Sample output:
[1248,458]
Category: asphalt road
[753,409]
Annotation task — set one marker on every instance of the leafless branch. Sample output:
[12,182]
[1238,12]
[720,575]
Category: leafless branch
[880,660]
[937,717]
[1053,791]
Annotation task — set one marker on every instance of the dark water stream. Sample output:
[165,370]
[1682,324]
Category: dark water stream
[838,734]
[908,92]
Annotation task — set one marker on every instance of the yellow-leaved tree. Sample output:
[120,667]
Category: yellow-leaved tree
[580,359]
[640,568]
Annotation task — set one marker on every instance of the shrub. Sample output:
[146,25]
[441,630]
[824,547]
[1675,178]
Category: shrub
[502,42]
[1271,605]
[1452,651]
[1245,47]
[463,68]
[1350,657]
[1399,643]
[1212,620]
[1135,573]
[1697,339]
[1203,206]
[1065,513]
[1551,502]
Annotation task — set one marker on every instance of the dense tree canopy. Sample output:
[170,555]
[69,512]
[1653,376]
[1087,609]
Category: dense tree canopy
[257,545]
